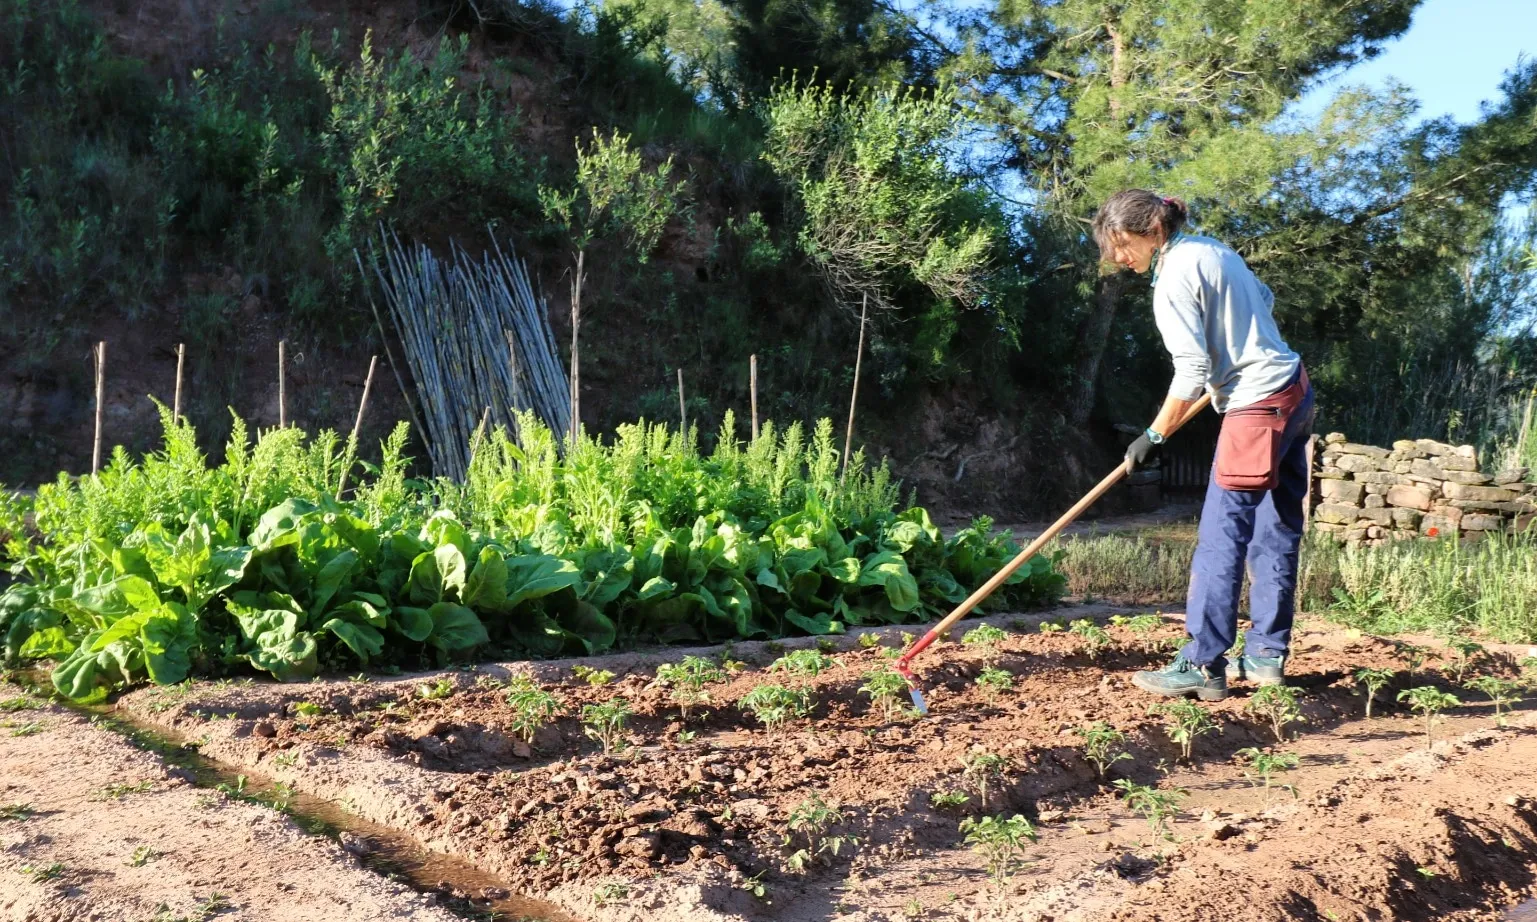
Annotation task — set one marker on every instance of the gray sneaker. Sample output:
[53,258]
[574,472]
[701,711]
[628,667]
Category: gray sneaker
[1261,670]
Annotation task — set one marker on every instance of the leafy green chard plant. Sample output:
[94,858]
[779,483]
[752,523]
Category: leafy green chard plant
[999,840]
[811,820]
[994,682]
[1373,680]
[1503,692]
[1158,807]
[1264,766]
[1096,640]
[532,707]
[988,640]
[1278,705]
[982,771]
[1184,722]
[606,722]
[775,705]
[1428,701]
[687,680]
[887,689]
[1102,744]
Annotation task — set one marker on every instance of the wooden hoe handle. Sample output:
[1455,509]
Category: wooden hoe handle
[991,586]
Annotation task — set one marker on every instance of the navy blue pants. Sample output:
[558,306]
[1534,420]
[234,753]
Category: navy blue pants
[1264,529]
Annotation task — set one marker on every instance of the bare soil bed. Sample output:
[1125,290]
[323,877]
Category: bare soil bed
[692,820]
[92,828]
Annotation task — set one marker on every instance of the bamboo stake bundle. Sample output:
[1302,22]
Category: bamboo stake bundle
[475,336]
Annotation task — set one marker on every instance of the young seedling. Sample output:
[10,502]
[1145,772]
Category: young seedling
[1157,807]
[437,691]
[141,856]
[532,707]
[1529,671]
[1277,704]
[775,705]
[592,676]
[887,689]
[687,680]
[15,811]
[811,819]
[998,840]
[1265,765]
[1373,680]
[993,683]
[1465,653]
[1144,627]
[1503,692]
[988,640]
[1102,745]
[1413,655]
[1184,720]
[1096,640]
[803,665]
[41,875]
[983,770]
[1429,702]
[867,640]
[1053,626]
[948,799]
[605,722]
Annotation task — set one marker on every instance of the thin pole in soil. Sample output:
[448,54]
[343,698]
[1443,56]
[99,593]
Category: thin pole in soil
[682,408]
[282,384]
[752,379]
[848,438]
[357,424]
[576,356]
[101,378]
[181,361]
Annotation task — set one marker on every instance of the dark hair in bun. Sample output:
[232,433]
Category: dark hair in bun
[1140,212]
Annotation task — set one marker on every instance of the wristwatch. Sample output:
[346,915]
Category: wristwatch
[1154,436]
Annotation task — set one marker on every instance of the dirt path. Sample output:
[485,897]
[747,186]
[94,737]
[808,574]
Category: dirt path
[92,828]
[690,824]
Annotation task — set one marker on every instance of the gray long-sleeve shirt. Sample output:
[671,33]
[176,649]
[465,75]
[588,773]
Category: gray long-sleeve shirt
[1216,321]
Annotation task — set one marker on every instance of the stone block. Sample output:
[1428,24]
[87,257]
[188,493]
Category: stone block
[1432,447]
[1479,521]
[1473,505]
[1471,478]
[1458,462]
[1519,507]
[1438,526]
[1374,501]
[1467,451]
[1375,531]
[1524,523]
[1380,516]
[1431,470]
[1334,438]
[1405,445]
[1483,494]
[1380,477]
[1340,491]
[1355,464]
[1370,451]
[1378,489]
[1510,475]
[1336,513]
[1329,474]
[1410,497]
[1448,512]
[1407,518]
[1401,467]
[1431,483]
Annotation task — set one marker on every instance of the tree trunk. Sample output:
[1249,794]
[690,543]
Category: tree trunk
[1092,337]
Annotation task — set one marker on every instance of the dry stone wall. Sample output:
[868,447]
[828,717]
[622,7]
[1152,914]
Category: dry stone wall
[1417,489]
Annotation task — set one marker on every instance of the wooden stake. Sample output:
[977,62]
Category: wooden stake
[682,410]
[181,360]
[101,378]
[859,355]
[576,356]
[752,378]
[357,424]
[282,384]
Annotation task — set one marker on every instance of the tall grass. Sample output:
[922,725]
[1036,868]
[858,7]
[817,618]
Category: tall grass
[1446,587]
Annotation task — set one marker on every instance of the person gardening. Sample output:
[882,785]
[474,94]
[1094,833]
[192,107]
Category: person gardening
[1216,320]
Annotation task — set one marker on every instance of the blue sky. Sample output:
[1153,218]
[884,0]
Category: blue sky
[1452,57]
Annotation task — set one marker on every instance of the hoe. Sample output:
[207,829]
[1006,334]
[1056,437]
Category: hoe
[903,664]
